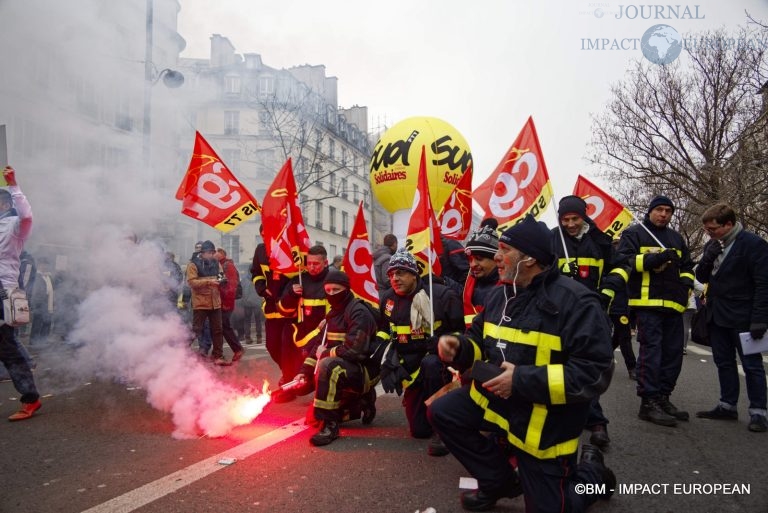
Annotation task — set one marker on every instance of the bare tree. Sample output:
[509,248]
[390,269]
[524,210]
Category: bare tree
[694,130]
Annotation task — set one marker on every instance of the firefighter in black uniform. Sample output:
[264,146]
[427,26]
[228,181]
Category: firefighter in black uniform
[591,261]
[659,284]
[483,273]
[340,364]
[546,343]
[304,301]
[270,285]
[411,364]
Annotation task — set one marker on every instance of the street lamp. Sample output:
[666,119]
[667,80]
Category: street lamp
[171,78]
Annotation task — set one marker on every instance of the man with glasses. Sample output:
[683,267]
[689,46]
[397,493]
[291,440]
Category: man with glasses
[735,265]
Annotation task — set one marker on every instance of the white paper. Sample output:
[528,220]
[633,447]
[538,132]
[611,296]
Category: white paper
[750,346]
[468,483]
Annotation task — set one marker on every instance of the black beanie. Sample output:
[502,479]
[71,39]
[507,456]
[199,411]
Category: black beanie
[572,205]
[337,277]
[531,237]
[659,201]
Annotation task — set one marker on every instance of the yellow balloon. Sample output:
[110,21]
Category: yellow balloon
[395,162]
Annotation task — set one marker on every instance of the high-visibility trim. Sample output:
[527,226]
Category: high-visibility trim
[621,272]
[608,292]
[545,343]
[468,318]
[333,351]
[336,336]
[599,263]
[315,302]
[331,403]
[414,375]
[310,360]
[306,338]
[688,276]
[562,449]
[258,277]
[536,425]
[383,335]
[639,263]
[406,330]
[556,381]
[663,303]
[273,315]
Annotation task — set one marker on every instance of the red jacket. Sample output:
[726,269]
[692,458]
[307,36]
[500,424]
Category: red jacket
[228,290]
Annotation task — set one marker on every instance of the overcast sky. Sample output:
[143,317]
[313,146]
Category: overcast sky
[483,66]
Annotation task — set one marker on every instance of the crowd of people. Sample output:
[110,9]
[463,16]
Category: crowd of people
[500,360]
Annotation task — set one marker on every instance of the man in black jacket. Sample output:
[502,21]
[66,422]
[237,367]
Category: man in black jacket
[735,265]
[546,345]
[660,270]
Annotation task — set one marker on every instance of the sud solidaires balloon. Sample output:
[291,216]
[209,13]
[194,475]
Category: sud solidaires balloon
[395,165]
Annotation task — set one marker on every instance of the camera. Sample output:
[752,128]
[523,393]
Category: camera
[221,278]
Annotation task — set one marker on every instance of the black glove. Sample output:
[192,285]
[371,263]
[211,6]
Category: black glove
[757,331]
[654,260]
[392,377]
[711,251]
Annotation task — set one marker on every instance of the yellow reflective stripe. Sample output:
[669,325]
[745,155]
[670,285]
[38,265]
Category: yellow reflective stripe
[264,268]
[384,335]
[333,351]
[336,336]
[468,319]
[401,330]
[315,302]
[544,342]
[477,352]
[414,375]
[536,425]
[310,360]
[687,275]
[608,292]
[556,381]
[258,277]
[639,263]
[333,380]
[584,261]
[621,272]
[306,338]
[562,449]
[665,303]
[273,315]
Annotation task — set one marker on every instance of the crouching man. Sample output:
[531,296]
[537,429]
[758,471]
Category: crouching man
[546,343]
[341,363]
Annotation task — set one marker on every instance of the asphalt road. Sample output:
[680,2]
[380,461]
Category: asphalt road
[97,446]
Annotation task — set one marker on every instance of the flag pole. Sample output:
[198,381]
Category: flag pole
[429,268]
[647,230]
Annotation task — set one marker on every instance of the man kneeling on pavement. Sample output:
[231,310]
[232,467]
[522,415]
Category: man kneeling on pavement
[546,346]
[340,365]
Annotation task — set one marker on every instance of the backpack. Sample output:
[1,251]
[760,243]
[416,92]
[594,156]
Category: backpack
[239,288]
[15,309]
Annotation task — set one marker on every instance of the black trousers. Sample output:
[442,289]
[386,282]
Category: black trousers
[433,374]
[660,337]
[337,380]
[548,485]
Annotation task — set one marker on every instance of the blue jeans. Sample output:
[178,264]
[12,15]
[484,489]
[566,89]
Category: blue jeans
[725,345]
[18,369]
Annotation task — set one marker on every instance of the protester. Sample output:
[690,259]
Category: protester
[621,317]
[15,227]
[454,264]
[341,366]
[253,316]
[381,260]
[227,289]
[411,365]
[174,277]
[735,267]
[270,285]
[585,254]
[42,303]
[204,275]
[547,343]
[660,277]
[304,300]
[338,260]
[483,273]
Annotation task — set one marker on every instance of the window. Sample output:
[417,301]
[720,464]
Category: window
[343,156]
[332,220]
[333,251]
[266,86]
[332,178]
[355,191]
[344,193]
[344,224]
[331,148]
[318,215]
[232,84]
[231,159]
[231,244]
[231,122]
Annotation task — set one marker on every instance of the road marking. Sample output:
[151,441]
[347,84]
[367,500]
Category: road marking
[150,492]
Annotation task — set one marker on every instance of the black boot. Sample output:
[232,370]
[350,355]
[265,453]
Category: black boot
[651,410]
[479,500]
[671,409]
[327,434]
[368,403]
[599,436]
[592,455]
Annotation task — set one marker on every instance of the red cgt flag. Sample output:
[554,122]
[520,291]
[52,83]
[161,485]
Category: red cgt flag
[421,240]
[285,235]
[456,216]
[609,215]
[211,193]
[520,183]
[358,262]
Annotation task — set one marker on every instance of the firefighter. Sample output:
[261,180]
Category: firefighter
[270,285]
[546,346]
[341,365]
[659,284]
[304,301]
[591,261]
[483,273]
[411,366]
